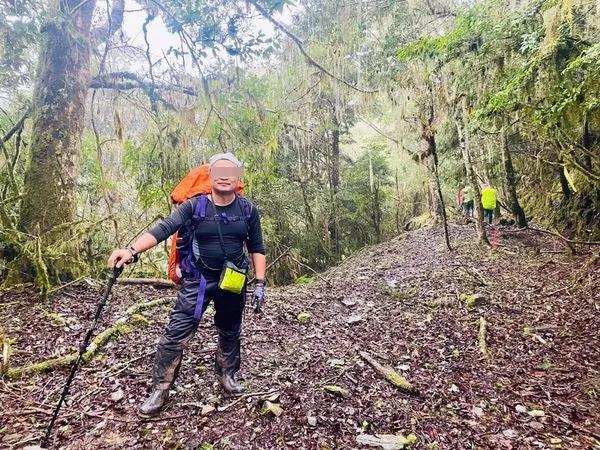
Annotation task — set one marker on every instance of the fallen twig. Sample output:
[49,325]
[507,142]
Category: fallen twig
[74,412]
[478,277]
[390,375]
[550,294]
[97,343]
[273,262]
[312,270]
[62,286]
[483,348]
[243,397]
[159,282]
[560,236]
[577,427]
[585,269]
[125,366]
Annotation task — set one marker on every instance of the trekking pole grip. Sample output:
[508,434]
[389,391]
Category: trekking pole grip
[116,272]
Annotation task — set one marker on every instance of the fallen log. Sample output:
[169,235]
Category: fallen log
[119,327]
[158,282]
[390,375]
[483,348]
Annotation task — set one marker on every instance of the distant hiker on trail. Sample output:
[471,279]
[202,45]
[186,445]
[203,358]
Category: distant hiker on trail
[467,204]
[212,229]
[488,202]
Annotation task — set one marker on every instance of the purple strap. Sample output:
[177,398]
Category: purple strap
[203,200]
[198,208]
[200,299]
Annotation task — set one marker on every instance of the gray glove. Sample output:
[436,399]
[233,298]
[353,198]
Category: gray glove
[258,296]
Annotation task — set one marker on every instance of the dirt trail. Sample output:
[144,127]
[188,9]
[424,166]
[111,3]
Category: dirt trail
[400,302]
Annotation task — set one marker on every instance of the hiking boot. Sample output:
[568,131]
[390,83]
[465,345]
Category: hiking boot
[227,360]
[230,384]
[154,403]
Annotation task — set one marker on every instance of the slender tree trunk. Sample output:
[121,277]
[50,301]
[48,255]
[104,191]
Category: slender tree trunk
[309,215]
[435,206]
[429,150]
[511,183]
[442,203]
[564,183]
[335,186]
[437,209]
[376,212]
[397,202]
[586,142]
[463,139]
[50,187]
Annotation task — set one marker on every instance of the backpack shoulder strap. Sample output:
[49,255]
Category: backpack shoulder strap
[200,209]
[245,206]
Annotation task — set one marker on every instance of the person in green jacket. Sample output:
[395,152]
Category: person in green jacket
[467,204]
[488,202]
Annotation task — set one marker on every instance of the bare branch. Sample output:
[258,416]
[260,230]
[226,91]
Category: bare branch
[127,81]
[113,23]
[300,46]
[18,126]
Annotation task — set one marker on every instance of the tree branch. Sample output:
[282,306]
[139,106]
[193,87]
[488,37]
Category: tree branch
[151,94]
[381,133]
[126,81]
[113,23]
[300,46]
[18,126]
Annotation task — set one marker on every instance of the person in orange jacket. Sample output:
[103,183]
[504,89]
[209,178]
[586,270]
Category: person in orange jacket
[223,223]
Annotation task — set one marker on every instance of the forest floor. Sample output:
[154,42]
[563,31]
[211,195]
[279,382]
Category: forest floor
[539,387]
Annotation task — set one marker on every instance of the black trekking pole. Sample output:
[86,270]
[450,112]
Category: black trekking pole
[115,274]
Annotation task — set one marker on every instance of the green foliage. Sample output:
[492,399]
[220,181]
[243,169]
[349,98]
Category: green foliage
[19,34]
[366,199]
[141,164]
[530,72]
[445,46]
[89,175]
[304,279]
[219,28]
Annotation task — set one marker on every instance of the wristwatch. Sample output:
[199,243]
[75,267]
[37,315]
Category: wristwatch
[134,254]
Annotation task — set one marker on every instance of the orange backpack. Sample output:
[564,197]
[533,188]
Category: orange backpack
[196,182]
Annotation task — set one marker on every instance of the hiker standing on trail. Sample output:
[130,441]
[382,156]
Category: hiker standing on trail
[221,222]
[467,204]
[488,202]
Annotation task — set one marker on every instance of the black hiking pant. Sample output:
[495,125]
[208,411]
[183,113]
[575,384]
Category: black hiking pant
[182,326]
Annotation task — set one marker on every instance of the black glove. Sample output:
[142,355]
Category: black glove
[258,296]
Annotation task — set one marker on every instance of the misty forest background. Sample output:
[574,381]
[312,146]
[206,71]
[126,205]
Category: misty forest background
[357,120]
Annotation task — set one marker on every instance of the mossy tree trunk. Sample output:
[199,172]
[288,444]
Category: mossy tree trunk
[511,183]
[335,187]
[463,140]
[50,187]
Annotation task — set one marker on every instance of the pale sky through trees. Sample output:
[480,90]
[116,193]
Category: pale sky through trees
[161,39]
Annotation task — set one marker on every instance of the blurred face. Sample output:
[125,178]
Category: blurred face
[224,176]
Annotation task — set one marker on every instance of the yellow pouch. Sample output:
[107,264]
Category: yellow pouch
[233,278]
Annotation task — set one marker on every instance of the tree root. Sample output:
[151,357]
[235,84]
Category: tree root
[119,327]
[482,344]
[390,375]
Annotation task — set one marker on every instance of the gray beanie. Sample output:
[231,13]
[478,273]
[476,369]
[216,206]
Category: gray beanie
[227,156]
